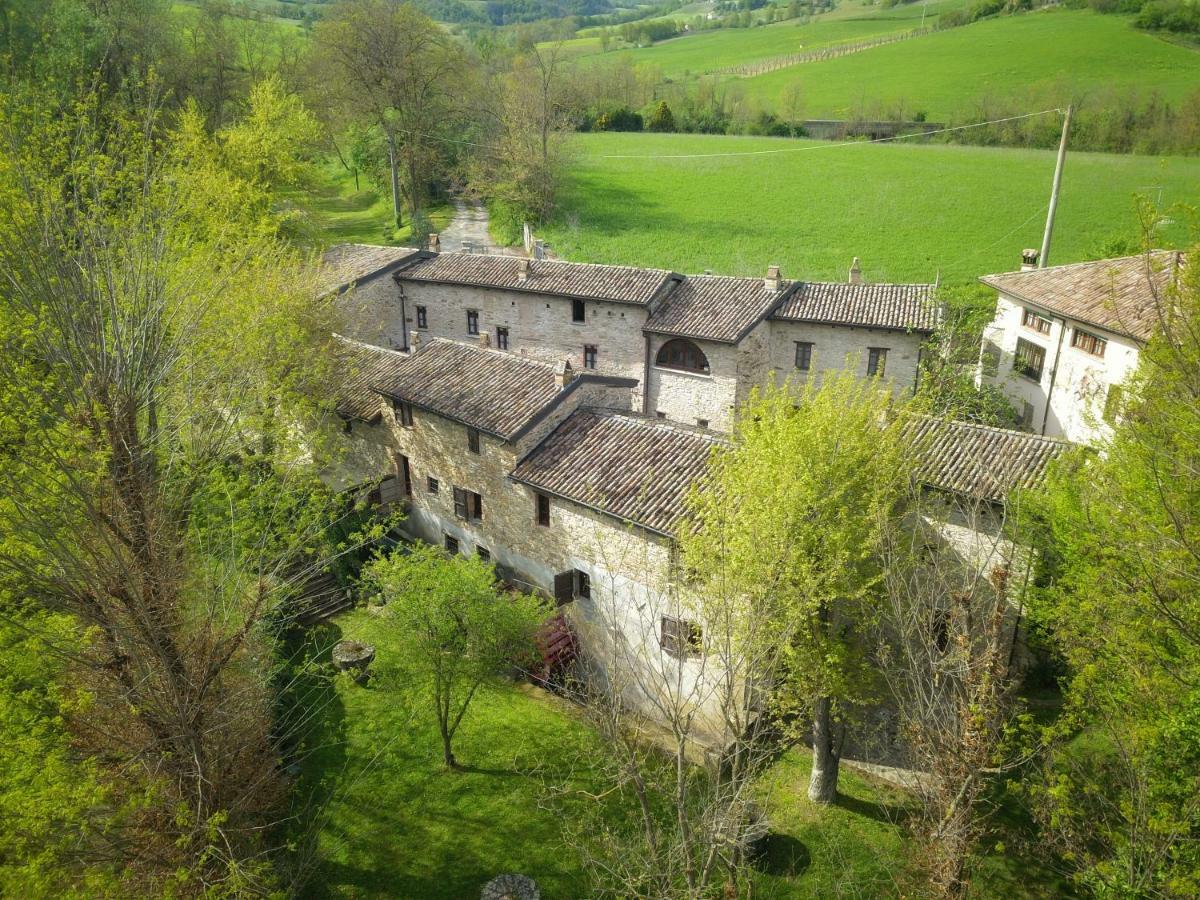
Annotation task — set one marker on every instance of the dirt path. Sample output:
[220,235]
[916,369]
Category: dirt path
[469,226]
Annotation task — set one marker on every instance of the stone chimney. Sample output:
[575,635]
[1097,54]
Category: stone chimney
[485,339]
[523,269]
[1029,259]
[563,373]
[855,272]
[772,281]
[414,341]
[435,243]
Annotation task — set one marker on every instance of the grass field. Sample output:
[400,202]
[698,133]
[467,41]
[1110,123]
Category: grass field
[709,50]
[1039,59]
[911,212]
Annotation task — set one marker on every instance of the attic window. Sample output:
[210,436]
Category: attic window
[403,411]
[681,354]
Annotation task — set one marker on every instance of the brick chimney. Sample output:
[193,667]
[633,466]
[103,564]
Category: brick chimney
[523,269]
[1029,259]
[563,373]
[855,272]
[772,281]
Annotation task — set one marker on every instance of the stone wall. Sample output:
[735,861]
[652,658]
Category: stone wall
[832,344]
[689,397]
[370,312]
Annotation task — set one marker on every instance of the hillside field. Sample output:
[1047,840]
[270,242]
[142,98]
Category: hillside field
[910,211]
[1038,59]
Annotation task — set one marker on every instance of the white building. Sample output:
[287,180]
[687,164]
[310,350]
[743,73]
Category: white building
[1065,338]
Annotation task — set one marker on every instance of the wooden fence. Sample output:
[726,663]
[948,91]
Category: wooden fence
[795,59]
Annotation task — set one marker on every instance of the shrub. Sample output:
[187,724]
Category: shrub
[662,119]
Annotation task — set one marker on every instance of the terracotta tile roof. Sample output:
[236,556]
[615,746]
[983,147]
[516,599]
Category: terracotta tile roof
[1117,295]
[491,390]
[345,264]
[638,470]
[360,367]
[714,307]
[903,307]
[978,460]
[622,284]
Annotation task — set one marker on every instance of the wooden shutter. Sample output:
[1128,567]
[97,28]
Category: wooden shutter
[476,505]
[564,587]
[460,503]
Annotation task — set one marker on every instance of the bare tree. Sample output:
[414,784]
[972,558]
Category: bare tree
[948,652]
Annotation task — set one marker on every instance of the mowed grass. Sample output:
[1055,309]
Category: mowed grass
[911,212]
[705,51]
[1044,58]
[336,210]
[400,826]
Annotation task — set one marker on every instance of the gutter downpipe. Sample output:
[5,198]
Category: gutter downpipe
[403,312]
[1053,374]
[646,380]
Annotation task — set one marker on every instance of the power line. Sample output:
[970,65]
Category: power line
[827,146]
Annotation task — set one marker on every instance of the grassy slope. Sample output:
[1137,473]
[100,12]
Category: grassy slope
[1042,58]
[908,211]
[402,827]
[707,50]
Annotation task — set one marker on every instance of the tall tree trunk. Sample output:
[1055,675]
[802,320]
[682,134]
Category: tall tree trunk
[822,787]
[394,165]
[447,753]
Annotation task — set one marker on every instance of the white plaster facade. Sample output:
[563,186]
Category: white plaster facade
[1069,398]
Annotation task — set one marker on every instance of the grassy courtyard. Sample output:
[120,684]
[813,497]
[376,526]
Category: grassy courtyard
[911,211]
[399,825]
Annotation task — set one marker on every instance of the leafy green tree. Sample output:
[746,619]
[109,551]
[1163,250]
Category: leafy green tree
[792,519]
[273,143]
[1121,793]
[661,119]
[456,626]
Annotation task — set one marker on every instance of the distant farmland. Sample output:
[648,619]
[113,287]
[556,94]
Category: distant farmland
[909,211]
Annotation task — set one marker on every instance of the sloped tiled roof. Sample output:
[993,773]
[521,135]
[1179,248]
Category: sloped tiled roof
[1118,295]
[360,367]
[978,460]
[490,390]
[903,307]
[345,264]
[714,307]
[622,284]
[638,470]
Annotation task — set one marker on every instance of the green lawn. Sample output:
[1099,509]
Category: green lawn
[910,211]
[335,211]
[1032,61]
[400,826]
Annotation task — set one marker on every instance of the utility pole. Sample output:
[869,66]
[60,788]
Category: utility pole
[1043,257]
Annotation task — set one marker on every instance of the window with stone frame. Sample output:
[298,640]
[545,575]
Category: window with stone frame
[876,361]
[589,356]
[422,317]
[472,321]
[682,354]
[1029,360]
[680,638]
[804,351]
[432,485]
[501,338]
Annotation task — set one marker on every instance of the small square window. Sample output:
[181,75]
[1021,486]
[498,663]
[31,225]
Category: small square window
[403,411]
[804,355]
[679,637]
[660,414]
[501,338]
[422,318]
[473,440]
[472,321]
[432,485]
[543,510]
[578,311]
[702,423]
[450,543]
[589,356]
[483,553]
[876,361]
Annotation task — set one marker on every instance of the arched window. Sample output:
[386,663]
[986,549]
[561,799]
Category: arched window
[681,354]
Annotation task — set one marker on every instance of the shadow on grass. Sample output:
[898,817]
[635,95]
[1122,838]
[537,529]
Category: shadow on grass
[783,855]
[886,813]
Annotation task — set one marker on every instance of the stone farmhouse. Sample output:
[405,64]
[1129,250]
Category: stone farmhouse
[1065,338]
[552,417]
